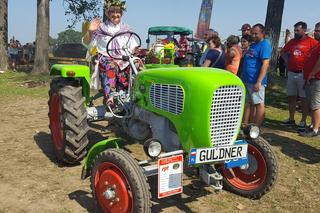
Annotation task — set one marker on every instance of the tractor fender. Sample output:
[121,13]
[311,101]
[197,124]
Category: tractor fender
[74,71]
[94,151]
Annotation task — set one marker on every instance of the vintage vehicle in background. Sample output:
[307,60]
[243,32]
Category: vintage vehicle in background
[184,116]
[69,53]
[164,48]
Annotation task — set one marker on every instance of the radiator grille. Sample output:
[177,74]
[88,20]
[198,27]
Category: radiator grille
[225,114]
[167,97]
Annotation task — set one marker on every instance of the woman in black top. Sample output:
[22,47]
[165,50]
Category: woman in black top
[216,57]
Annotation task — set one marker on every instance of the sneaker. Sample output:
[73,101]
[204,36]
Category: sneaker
[309,134]
[302,126]
[306,129]
[288,122]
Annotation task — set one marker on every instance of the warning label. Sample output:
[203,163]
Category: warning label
[170,176]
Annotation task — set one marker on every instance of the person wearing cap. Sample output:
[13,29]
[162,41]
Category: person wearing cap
[294,54]
[246,29]
[113,73]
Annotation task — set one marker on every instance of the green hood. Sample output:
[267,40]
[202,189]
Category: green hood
[192,119]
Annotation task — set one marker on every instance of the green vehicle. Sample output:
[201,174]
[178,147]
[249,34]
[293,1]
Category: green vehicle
[185,117]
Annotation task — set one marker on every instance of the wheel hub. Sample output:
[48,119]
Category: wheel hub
[252,166]
[109,194]
[112,189]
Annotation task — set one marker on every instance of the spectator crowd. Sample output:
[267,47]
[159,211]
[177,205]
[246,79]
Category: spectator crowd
[250,61]
[20,54]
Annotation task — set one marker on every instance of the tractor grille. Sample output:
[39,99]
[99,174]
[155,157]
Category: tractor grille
[167,97]
[225,114]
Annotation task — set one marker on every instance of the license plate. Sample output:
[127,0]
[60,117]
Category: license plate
[219,153]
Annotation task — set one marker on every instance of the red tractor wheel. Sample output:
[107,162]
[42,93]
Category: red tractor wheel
[68,120]
[259,177]
[118,183]
[55,121]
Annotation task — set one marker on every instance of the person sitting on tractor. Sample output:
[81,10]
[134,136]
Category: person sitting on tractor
[183,46]
[170,45]
[170,39]
[113,73]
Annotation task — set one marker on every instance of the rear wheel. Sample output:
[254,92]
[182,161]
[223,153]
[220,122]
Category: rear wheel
[259,177]
[118,183]
[68,120]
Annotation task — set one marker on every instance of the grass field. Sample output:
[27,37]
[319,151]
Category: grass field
[15,84]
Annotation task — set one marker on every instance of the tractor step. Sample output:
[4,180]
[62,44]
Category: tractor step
[98,113]
[211,177]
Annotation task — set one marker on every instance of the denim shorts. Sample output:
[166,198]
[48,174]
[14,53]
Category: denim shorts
[253,97]
[14,56]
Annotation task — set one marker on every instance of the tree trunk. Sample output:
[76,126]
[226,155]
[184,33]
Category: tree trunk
[273,28]
[41,61]
[104,12]
[3,34]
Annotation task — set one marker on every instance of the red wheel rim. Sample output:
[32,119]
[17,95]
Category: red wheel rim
[252,177]
[108,178]
[55,122]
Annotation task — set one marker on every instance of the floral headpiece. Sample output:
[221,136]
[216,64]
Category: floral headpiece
[118,3]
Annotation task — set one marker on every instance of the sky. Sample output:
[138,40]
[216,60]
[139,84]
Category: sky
[227,15]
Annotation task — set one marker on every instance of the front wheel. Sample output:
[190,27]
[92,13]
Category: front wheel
[118,183]
[259,177]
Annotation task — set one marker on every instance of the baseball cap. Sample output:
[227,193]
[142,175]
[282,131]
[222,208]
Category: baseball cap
[245,27]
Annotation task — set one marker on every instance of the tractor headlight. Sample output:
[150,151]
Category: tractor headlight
[152,147]
[252,131]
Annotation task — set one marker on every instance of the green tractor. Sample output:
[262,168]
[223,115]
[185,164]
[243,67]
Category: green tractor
[186,117]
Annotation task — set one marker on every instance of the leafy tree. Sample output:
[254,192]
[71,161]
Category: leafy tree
[3,34]
[79,10]
[69,36]
[52,41]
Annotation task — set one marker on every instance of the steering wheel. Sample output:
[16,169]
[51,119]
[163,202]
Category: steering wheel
[117,50]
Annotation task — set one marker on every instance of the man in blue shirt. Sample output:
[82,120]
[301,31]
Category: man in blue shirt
[255,66]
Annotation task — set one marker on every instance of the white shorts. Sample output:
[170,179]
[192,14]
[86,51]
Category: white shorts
[295,84]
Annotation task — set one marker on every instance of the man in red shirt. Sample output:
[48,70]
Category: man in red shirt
[295,53]
[312,77]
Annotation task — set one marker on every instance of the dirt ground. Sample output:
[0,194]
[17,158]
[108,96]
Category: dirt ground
[32,181]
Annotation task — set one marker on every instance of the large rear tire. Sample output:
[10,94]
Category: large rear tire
[261,175]
[118,183]
[68,120]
